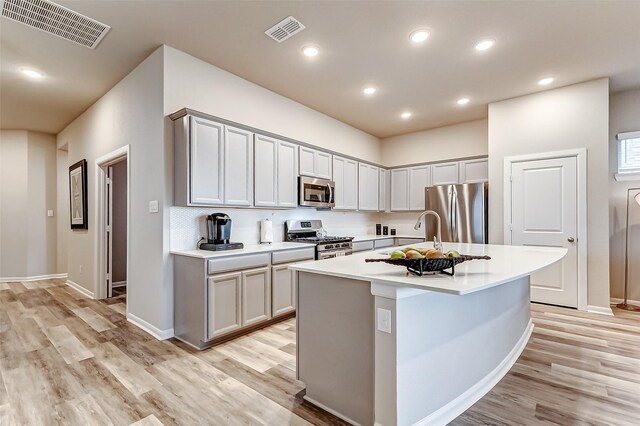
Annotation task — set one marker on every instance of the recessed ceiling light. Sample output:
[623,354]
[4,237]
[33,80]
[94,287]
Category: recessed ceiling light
[31,73]
[463,101]
[485,44]
[310,51]
[369,90]
[418,36]
[545,81]
[405,115]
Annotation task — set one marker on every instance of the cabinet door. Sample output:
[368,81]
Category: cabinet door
[223,304]
[323,165]
[283,287]
[338,178]
[287,171]
[383,190]
[373,189]
[256,296]
[206,162]
[444,174]
[363,184]
[350,185]
[399,189]
[474,171]
[238,165]
[419,179]
[265,171]
[307,161]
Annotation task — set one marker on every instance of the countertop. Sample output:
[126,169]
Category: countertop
[248,249]
[359,238]
[507,263]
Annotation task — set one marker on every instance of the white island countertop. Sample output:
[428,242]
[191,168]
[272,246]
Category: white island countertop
[248,249]
[507,264]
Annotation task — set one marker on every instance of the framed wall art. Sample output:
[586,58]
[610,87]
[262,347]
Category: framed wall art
[78,195]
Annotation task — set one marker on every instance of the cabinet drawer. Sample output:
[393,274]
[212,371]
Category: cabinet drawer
[287,256]
[407,241]
[388,242]
[222,264]
[362,246]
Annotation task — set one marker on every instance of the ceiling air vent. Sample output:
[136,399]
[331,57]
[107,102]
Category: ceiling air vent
[285,29]
[57,20]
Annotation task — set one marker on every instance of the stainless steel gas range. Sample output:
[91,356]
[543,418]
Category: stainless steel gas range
[312,232]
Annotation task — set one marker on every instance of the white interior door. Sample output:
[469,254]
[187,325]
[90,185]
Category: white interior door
[109,228]
[544,212]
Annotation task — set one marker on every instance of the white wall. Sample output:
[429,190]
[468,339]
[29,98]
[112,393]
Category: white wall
[624,110]
[195,84]
[63,224]
[456,141]
[576,116]
[129,114]
[27,191]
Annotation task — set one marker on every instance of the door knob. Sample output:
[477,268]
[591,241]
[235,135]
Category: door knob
[570,239]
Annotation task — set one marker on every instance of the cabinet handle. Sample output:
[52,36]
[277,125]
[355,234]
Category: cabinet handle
[570,239]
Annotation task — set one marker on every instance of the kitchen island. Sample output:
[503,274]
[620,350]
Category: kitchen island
[377,345]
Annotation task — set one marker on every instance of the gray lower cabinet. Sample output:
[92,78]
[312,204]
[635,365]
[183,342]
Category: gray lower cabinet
[224,294]
[256,296]
[283,290]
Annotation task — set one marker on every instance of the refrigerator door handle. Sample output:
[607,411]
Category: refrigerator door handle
[452,207]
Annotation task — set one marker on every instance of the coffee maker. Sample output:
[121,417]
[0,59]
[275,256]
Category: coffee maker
[219,233]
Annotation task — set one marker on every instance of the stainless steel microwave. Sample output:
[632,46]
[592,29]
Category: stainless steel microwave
[316,192]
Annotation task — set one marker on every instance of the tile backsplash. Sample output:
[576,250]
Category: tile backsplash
[188,223]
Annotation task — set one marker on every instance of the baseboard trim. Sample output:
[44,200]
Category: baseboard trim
[334,412]
[453,409]
[615,301]
[33,278]
[118,284]
[80,289]
[149,328]
[599,310]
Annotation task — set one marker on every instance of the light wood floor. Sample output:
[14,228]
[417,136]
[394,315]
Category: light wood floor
[65,359]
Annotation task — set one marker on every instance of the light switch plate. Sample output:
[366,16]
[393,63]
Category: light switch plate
[153,206]
[384,320]
[50,213]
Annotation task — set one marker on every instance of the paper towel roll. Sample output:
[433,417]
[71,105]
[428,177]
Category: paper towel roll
[266,231]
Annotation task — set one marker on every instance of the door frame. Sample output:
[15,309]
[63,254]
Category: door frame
[581,180]
[102,164]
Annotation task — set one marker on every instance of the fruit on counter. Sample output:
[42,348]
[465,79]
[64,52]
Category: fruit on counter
[408,249]
[452,253]
[414,254]
[398,254]
[433,254]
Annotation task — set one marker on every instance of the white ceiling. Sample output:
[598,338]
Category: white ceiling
[361,43]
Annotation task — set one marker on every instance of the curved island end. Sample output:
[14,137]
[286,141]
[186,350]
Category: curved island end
[376,346]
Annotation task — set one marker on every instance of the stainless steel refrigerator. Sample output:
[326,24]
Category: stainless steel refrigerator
[463,210]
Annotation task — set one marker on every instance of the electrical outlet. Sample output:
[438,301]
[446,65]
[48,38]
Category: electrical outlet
[153,206]
[384,320]
[50,213]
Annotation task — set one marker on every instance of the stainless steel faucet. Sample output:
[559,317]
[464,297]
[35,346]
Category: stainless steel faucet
[437,241]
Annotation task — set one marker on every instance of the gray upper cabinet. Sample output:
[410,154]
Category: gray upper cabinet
[384,197]
[474,171]
[265,171]
[444,173]
[201,159]
[368,181]
[419,179]
[275,173]
[399,190]
[238,167]
[315,163]
[287,175]
[345,175]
